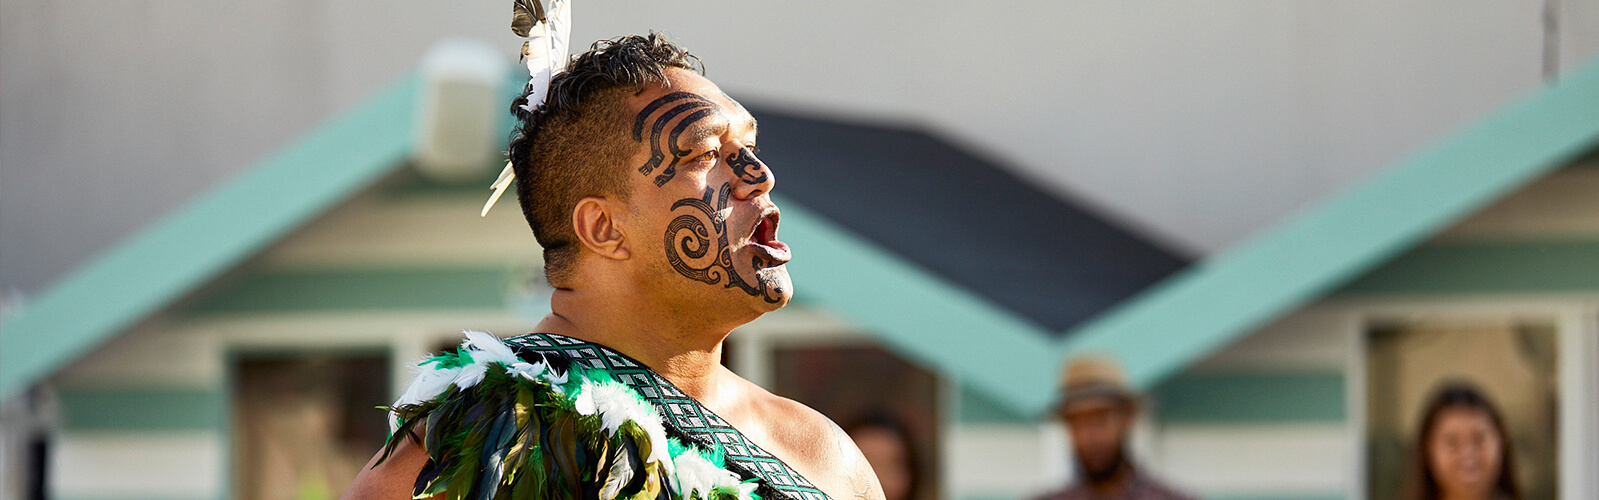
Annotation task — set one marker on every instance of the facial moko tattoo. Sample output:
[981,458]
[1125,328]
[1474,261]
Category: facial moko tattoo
[696,246]
[696,240]
[692,107]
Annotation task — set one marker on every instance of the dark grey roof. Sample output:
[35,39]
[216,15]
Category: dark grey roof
[966,219]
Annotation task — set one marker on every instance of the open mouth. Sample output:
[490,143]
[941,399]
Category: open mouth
[764,238]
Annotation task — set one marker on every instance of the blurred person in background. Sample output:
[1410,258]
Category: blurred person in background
[1099,409]
[891,450]
[1462,451]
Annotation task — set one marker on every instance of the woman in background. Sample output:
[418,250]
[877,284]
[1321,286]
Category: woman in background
[1462,451]
[889,447]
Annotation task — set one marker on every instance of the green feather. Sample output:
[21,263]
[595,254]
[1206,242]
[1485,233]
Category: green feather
[496,447]
[445,360]
[527,420]
[562,453]
[404,430]
[631,457]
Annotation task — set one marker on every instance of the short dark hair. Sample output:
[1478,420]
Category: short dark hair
[574,145]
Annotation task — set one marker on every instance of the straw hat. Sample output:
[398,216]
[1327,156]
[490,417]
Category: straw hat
[1093,379]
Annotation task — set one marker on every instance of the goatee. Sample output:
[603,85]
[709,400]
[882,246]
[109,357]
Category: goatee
[1104,474]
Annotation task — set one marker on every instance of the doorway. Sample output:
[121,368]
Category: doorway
[304,423]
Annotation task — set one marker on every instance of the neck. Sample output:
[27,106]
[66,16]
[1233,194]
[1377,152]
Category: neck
[686,352]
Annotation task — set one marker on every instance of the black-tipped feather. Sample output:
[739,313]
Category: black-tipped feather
[496,447]
[430,472]
[524,13]
[630,453]
[561,455]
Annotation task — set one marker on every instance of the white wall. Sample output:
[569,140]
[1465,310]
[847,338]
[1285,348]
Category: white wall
[193,354]
[1268,458]
[1197,121]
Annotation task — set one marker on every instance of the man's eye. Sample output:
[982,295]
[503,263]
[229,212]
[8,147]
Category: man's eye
[708,156]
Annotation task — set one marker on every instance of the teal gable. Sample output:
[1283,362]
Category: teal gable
[1343,238]
[929,318]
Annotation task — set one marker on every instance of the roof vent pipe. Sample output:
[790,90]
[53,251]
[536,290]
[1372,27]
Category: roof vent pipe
[460,123]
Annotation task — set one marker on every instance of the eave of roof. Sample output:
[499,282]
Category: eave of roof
[1231,294]
[207,236]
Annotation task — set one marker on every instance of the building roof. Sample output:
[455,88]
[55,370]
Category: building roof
[965,219]
[1329,244]
[932,311]
[914,280]
[208,236]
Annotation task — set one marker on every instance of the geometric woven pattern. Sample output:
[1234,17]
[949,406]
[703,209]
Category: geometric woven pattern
[685,418]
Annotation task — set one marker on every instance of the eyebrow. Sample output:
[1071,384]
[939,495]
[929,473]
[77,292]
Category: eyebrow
[709,128]
[750,122]
[754,125]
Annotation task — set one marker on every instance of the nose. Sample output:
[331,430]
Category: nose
[751,176]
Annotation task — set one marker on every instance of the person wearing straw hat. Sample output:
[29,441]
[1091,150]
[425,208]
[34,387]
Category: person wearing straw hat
[1099,408]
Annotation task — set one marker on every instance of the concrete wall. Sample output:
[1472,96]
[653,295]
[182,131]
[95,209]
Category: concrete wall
[1196,122]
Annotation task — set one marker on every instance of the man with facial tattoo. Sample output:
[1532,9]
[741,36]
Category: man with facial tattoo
[641,181]
[1099,409]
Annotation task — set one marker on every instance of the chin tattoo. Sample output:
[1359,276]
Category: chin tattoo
[696,246]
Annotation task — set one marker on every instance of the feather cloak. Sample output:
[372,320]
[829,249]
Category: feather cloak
[496,426]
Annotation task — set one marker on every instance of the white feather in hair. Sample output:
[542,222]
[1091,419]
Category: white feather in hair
[549,33]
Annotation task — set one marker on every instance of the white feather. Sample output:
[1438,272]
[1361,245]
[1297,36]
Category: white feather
[558,379]
[539,67]
[614,405]
[547,54]
[584,403]
[617,404]
[430,383]
[697,476]
[471,374]
[530,371]
[507,175]
[560,19]
[488,348]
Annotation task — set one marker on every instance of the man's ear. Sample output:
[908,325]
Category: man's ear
[594,220]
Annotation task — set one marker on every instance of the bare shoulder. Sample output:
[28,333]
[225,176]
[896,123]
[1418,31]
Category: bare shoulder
[390,476]
[794,423]
[813,445]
